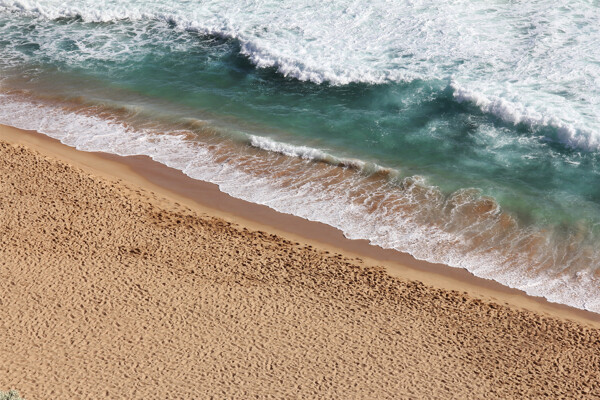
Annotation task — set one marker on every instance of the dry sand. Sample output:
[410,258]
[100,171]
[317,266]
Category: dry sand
[114,289]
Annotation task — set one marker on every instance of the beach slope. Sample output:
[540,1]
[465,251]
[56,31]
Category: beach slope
[113,290]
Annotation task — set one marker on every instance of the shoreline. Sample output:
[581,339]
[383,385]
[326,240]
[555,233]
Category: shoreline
[115,286]
[206,198]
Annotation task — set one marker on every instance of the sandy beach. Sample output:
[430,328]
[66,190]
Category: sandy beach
[123,279]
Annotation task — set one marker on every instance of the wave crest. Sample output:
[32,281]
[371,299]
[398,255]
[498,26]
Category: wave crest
[515,113]
[368,43]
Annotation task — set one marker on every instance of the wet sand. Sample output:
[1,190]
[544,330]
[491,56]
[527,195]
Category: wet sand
[123,278]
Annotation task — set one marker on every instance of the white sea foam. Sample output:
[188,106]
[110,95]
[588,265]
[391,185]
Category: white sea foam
[516,113]
[402,218]
[313,154]
[307,153]
[534,64]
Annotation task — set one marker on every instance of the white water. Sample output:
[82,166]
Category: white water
[531,62]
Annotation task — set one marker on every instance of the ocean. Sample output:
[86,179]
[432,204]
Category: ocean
[462,132]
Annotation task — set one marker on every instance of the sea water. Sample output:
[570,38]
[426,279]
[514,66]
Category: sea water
[462,132]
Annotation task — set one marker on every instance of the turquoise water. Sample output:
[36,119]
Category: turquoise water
[466,134]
